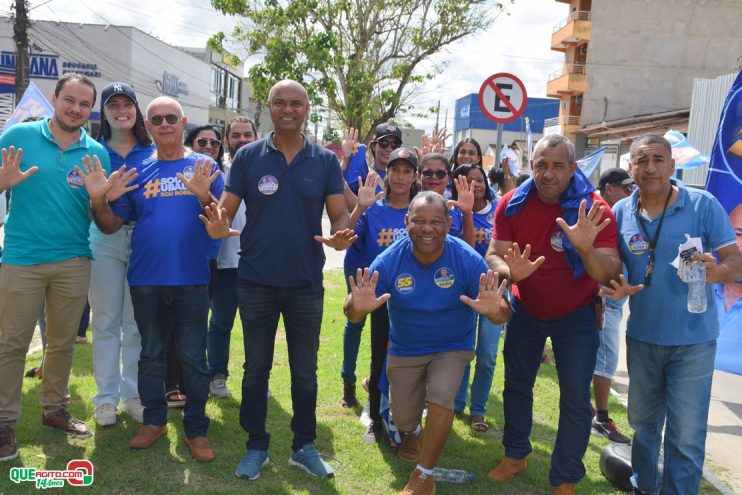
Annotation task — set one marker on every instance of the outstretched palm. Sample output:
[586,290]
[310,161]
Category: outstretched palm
[367,195]
[10,173]
[521,267]
[363,292]
[489,299]
[200,182]
[583,233]
[94,177]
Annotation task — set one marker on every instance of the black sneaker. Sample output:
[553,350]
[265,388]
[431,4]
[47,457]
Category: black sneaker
[62,420]
[8,444]
[349,395]
[608,429]
[372,433]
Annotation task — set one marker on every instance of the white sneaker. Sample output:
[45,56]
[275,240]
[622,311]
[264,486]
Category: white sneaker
[134,408]
[105,414]
[218,386]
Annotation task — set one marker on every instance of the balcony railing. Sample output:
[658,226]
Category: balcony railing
[563,120]
[567,69]
[576,15]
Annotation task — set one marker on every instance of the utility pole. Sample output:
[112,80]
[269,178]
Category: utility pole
[437,117]
[20,35]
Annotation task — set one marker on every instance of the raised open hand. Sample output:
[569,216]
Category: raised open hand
[216,222]
[489,300]
[519,264]
[119,182]
[200,182]
[363,291]
[349,144]
[367,195]
[465,195]
[619,289]
[10,173]
[583,233]
[340,240]
[94,177]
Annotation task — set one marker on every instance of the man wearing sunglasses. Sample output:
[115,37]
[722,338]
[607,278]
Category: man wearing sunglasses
[670,351]
[169,271]
[285,181]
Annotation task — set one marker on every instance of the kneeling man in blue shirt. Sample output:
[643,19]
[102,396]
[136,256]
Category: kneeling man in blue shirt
[434,286]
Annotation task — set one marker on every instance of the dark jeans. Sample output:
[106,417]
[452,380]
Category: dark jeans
[154,309]
[223,311]
[379,345]
[260,308]
[574,339]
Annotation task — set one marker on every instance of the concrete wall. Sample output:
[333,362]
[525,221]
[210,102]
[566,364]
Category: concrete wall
[644,55]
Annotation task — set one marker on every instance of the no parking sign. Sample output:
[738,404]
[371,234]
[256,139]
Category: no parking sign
[502,97]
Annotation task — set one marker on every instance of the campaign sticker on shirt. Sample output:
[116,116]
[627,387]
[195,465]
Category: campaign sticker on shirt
[444,278]
[268,185]
[189,171]
[491,217]
[405,283]
[638,244]
[557,241]
[74,179]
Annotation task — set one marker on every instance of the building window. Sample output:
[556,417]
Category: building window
[233,93]
[216,91]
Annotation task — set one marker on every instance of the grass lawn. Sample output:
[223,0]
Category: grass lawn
[360,469]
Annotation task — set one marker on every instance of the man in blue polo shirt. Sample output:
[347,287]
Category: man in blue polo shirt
[46,254]
[168,271]
[286,181]
[670,350]
[435,285]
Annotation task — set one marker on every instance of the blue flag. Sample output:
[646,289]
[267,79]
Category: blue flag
[724,181]
[33,104]
[589,163]
[685,155]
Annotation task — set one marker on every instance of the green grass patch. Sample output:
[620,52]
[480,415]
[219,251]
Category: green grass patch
[360,469]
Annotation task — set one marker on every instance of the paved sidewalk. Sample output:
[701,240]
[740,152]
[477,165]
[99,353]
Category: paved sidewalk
[724,440]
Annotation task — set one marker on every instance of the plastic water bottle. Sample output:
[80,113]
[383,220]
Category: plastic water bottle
[696,278]
[452,475]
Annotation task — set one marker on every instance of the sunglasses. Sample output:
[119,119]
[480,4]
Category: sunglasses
[214,143]
[439,174]
[384,144]
[170,118]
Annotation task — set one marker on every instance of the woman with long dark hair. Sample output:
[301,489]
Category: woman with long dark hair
[116,340]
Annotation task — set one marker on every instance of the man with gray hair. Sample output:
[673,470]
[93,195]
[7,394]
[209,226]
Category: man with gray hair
[568,236]
[168,272]
[435,285]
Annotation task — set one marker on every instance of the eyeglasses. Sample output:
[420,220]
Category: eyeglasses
[170,118]
[439,174]
[214,143]
[384,144]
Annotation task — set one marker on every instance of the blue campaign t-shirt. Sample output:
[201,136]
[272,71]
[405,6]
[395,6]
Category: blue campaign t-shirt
[484,219]
[659,313]
[283,208]
[379,227]
[48,216]
[425,313]
[169,245]
[457,222]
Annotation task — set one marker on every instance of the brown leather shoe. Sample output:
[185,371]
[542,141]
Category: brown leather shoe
[410,448]
[419,484]
[349,395]
[563,489]
[147,435]
[200,449]
[507,469]
[62,420]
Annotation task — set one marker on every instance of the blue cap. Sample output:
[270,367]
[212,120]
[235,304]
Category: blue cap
[118,88]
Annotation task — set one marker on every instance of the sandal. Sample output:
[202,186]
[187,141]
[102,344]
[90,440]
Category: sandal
[478,425]
[175,399]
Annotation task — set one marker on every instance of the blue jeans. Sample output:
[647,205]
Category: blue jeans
[669,386]
[606,360]
[260,308]
[488,341]
[351,342]
[187,307]
[223,311]
[574,338]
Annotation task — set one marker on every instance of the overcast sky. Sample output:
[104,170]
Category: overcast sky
[517,43]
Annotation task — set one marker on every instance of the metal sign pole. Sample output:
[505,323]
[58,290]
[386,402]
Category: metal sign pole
[498,148]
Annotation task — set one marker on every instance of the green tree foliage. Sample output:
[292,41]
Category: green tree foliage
[363,58]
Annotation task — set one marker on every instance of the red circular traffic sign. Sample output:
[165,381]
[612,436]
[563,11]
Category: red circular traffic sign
[502,97]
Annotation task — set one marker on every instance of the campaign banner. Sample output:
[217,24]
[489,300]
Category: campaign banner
[589,163]
[724,181]
[685,155]
[32,105]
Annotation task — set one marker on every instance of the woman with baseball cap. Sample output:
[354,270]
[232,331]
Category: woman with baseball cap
[115,334]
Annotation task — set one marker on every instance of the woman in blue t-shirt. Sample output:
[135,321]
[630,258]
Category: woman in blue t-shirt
[116,340]
[488,337]
[381,223]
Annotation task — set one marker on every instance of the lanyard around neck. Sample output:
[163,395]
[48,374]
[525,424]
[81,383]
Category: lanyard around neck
[652,242]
